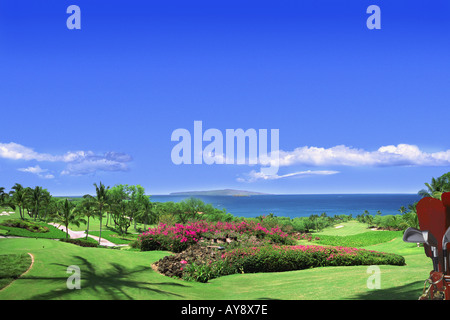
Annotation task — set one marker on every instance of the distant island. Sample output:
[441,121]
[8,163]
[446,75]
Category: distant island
[223,192]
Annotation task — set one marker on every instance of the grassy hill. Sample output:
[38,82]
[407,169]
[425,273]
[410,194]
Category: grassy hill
[126,274]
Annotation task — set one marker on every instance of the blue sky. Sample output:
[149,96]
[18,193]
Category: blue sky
[357,110]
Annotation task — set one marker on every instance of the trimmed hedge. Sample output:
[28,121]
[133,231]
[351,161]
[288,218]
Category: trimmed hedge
[53,232]
[286,258]
[24,224]
[82,242]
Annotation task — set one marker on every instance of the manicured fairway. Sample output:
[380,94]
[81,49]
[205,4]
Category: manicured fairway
[124,274]
[345,229]
[12,266]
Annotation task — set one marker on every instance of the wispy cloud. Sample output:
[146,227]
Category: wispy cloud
[341,155]
[253,175]
[91,163]
[37,170]
[78,162]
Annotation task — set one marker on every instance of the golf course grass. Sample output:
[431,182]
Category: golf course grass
[108,274]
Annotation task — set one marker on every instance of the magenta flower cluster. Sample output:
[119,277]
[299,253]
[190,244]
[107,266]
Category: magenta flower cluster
[329,252]
[192,232]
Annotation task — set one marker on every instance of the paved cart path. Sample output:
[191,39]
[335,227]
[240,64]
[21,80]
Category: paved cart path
[82,234]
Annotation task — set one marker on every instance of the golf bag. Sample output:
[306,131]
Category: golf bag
[434,222]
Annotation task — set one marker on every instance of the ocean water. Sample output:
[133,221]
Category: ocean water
[303,205]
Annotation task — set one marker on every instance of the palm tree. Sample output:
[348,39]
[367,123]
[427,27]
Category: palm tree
[101,201]
[4,197]
[36,198]
[146,212]
[28,202]
[68,214]
[87,208]
[46,199]
[51,207]
[19,198]
[410,217]
[437,187]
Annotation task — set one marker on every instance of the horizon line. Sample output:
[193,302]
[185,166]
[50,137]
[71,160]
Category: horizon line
[272,194]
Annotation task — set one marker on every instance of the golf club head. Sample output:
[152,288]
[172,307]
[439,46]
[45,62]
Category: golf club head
[413,235]
[445,241]
[429,239]
[446,238]
[417,236]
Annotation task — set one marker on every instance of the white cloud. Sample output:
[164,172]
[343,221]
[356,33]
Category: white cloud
[37,170]
[78,162]
[341,155]
[253,175]
[16,151]
[91,165]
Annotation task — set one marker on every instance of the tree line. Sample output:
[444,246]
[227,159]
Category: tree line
[121,205]
[126,205]
[407,216]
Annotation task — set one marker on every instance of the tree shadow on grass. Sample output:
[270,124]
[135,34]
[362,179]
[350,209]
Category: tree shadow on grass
[410,291]
[110,283]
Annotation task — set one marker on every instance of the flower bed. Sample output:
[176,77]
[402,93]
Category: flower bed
[201,264]
[174,265]
[286,258]
[179,237]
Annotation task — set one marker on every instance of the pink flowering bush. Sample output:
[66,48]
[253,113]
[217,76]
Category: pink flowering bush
[174,238]
[286,258]
[178,237]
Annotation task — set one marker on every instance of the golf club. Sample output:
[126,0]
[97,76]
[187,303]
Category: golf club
[416,236]
[445,240]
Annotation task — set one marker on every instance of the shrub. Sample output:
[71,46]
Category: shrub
[168,219]
[81,242]
[53,232]
[178,237]
[286,258]
[23,224]
[200,272]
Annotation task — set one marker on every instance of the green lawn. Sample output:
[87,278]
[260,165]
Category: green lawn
[94,223]
[345,229]
[127,274]
[12,266]
[114,237]
[94,229]
[53,233]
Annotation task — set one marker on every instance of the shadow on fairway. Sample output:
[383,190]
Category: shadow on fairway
[410,291]
[110,283]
